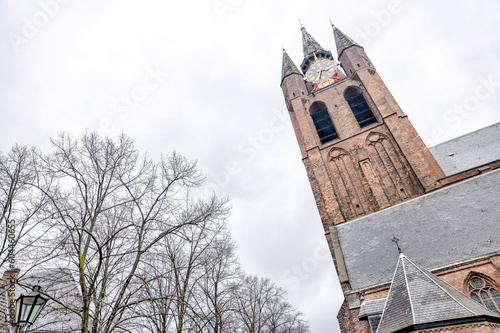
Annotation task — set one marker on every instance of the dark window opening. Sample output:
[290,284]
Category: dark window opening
[323,122]
[483,293]
[359,106]
[403,193]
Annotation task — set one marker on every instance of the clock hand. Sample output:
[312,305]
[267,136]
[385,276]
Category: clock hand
[320,73]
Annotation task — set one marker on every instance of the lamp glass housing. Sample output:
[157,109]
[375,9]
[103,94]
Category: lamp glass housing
[28,307]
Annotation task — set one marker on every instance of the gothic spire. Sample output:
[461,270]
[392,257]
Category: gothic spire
[288,66]
[309,45]
[342,40]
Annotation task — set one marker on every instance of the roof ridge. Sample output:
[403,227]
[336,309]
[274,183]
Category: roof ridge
[401,257]
[387,297]
[429,276]
[428,298]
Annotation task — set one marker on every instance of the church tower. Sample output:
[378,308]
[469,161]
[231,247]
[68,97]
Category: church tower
[362,156]
[360,150]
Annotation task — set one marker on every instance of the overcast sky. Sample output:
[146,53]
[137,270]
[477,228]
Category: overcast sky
[202,77]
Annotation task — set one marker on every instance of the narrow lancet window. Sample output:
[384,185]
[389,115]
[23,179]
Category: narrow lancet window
[323,122]
[359,106]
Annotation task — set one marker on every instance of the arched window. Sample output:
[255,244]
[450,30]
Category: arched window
[359,106]
[323,122]
[484,293]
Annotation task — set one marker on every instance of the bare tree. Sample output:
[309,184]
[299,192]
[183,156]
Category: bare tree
[261,307]
[18,208]
[221,274]
[157,314]
[17,205]
[123,244]
[185,255]
[109,208]
[197,270]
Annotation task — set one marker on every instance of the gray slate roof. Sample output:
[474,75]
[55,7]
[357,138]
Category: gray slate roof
[419,297]
[371,307]
[309,44]
[468,151]
[455,223]
[288,67]
[342,41]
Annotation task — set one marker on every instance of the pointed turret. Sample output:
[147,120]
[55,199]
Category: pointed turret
[309,44]
[342,40]
[288,67]
[351,55]
[292,80]
[418,297]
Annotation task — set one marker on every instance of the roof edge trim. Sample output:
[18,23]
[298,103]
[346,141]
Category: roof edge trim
[402,257]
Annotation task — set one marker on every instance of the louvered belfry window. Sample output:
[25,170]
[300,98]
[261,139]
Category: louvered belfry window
[323,122]
[359,106]
[485,294]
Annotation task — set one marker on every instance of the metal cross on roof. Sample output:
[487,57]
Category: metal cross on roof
[396,240]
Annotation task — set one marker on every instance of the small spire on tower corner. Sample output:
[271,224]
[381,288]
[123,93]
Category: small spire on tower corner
[288,67]
[341,40]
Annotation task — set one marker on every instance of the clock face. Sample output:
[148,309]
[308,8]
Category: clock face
[321,70]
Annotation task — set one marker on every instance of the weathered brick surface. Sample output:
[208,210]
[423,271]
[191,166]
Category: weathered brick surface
[367,168]
[459,275]
[348,318]
[4,310]
[349,322]
[6,298]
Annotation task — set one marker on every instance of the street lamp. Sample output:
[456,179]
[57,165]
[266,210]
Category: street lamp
[28,307]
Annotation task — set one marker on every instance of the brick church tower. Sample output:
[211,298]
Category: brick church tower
[374,180]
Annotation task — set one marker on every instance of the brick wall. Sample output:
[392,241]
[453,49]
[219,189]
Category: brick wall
[6,296]
[4,325]
[459,275]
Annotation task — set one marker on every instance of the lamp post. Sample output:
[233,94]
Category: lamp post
[28,307]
